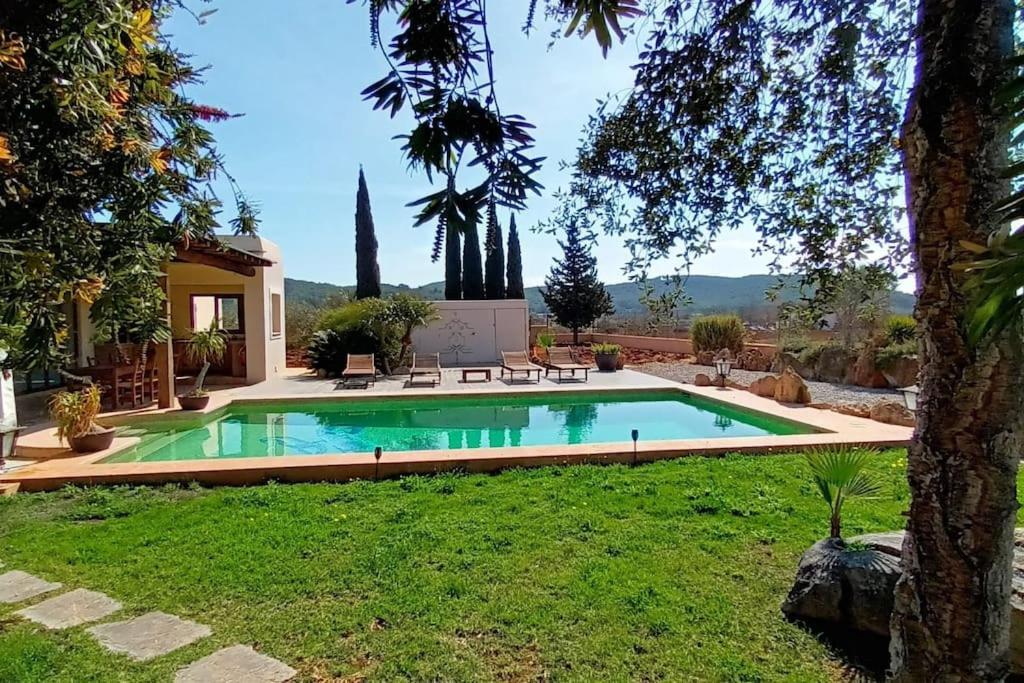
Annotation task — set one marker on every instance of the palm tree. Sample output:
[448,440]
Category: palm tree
[839,474]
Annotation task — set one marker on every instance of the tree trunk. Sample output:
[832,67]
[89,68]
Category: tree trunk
[952,615]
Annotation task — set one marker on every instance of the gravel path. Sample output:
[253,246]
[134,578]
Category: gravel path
[821,392]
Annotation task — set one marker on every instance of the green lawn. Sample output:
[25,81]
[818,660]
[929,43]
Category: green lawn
[670,571]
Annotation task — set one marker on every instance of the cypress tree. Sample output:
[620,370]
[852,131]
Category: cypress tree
[367,270]
[572,292]
[452,265]
[494,264]
[472,263]
[514,276]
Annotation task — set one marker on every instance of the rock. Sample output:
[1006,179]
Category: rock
[833,364]
[854,588]
[735,385]
[764,386]
[784,359]
[901,372]
[843,586]
[791,388]
[705,358]
[865,374]
[855,409]
[753,359]
[892,413]
[821,406]
[702,380]
[724,354]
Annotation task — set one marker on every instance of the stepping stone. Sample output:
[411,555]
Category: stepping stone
[235,664]
[149,636]
[16,586]
[79,606]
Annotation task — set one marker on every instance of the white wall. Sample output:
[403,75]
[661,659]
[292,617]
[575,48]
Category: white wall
[472,332]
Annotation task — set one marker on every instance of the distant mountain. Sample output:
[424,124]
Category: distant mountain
[710,293]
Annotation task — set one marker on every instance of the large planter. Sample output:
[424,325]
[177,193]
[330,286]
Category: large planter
[607,362]
[91,442]
[193,402]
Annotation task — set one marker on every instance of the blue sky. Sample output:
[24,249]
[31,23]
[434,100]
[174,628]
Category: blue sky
[295,69]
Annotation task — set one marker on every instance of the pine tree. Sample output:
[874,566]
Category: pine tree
[494,263]
[514,274]
[452,265]
[367,270]
[472,264]
[572,292]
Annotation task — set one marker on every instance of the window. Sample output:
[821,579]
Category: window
[224,311]
[276,315]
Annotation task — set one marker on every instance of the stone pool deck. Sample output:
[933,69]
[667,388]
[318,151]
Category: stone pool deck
[45,464]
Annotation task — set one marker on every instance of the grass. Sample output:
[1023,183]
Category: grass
[670,571]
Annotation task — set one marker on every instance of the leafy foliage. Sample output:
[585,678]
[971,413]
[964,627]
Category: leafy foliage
[494,264]
[716,332]
[367,270]
[514,273]
[328,348]
[572,292]
[380,326]
[605,348]
[204,347]
[98,145]
[839,474]
[472,264]
[900,329]
[75,412]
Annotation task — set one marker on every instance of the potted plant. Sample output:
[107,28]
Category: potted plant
[75,414]
[204,346]
[606,356]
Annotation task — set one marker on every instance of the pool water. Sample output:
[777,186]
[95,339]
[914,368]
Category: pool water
[444,423]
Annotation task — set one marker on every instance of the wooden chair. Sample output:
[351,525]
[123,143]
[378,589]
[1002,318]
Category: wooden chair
[426,365]
[560,359]
[518,361]
[134,390]
[360,366]
[151,378]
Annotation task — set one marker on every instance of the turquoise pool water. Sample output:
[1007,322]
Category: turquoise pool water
[445,423]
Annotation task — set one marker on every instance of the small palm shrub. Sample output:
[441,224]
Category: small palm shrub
[605,349]
[839,474]
[900,329]
[75,411]
[716,332]
[205,346]
[545,340]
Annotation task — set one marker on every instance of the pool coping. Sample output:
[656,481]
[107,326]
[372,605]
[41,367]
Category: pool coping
[834,429]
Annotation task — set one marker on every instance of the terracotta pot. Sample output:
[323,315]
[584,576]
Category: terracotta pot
[607,362]
[92,442]
[193,402]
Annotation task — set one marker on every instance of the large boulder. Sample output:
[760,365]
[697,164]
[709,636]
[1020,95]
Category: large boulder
[785,359]
[753,359]
[833,364]
[865,373]
[764,386]
[901,372]
[891,412]
[851,585]
[791,388]
[702,380]
[705,358]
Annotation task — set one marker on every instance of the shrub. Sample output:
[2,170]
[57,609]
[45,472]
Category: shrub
[545,340]
[75,412]
[716,332]
[382,326]
[328,349]
[889,354]
[839,474]
[609,349]
[900,329]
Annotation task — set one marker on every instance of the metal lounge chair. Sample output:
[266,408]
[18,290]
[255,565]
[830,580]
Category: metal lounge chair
[518,361]
[426,365]
[560,359]
[359,366]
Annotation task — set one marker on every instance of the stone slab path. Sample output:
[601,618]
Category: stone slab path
[151,635]
[74,608]
[235,664]
[16,586]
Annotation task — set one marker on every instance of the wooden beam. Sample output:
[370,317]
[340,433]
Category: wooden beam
[165,354]
[213,260]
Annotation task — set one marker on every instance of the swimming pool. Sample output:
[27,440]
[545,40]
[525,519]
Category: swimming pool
[284,428]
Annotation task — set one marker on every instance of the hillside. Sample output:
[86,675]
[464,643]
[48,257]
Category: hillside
[709,293]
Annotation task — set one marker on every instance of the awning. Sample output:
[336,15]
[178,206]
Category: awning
[217,254]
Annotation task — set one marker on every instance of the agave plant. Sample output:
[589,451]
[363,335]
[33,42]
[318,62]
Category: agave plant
[839,474]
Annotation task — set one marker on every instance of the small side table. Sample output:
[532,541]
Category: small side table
[466,372]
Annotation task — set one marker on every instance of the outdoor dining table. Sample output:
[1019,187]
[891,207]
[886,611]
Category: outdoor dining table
[110,376]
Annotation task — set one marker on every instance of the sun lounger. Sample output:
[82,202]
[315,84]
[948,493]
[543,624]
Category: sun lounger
[359,366]
[426,365]
[560,360]
[518,361]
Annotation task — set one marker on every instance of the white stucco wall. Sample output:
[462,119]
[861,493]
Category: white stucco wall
[475,332]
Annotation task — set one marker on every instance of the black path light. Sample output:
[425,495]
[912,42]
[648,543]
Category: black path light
[723,366]
[635,434]
[377,452]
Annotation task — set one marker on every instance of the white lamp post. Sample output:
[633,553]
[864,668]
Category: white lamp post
[910,397]
[723,366]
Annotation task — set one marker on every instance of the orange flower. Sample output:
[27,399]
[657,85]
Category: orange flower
[160,159]
[6,156]
[12,51]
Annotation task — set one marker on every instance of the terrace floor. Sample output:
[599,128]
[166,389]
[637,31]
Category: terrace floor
[47,464]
